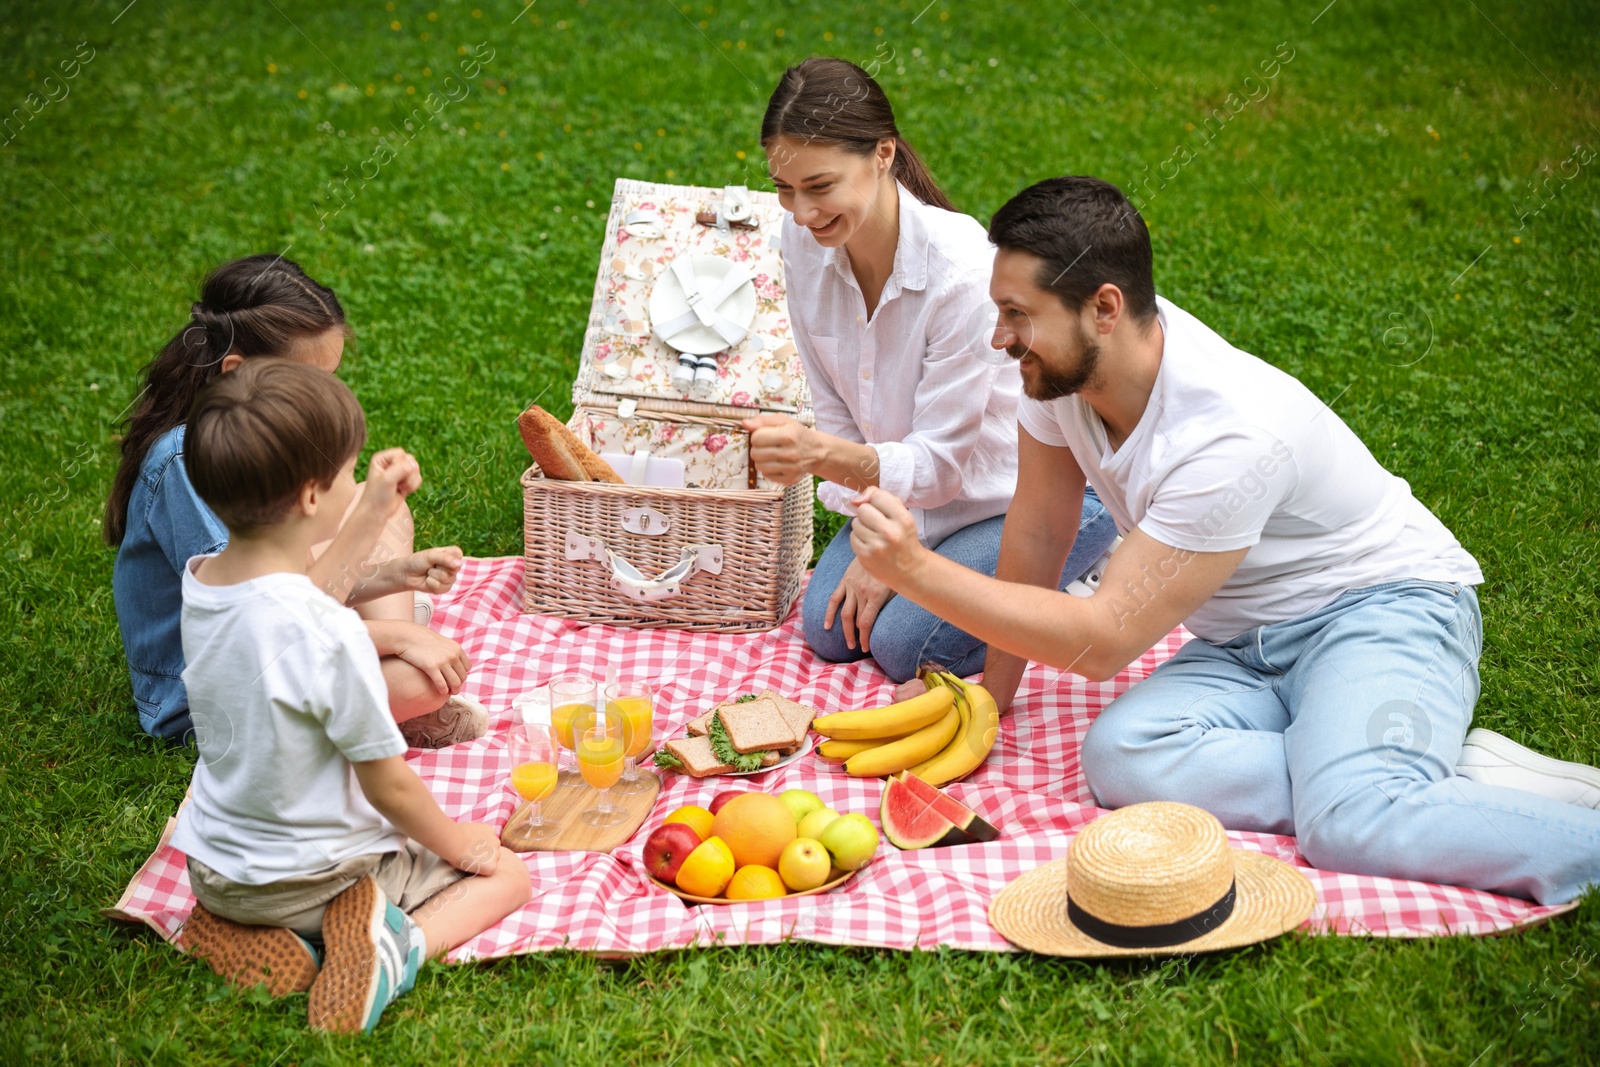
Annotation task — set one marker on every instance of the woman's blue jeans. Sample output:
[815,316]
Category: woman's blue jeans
[904,635]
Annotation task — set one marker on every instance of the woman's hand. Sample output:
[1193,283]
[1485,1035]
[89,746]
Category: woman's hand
[782,449]
[857,600]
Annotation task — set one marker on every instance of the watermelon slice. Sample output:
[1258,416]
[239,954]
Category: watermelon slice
[910,821]
[961,816]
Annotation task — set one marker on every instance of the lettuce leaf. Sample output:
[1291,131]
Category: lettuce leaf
[725,751]
[666,759]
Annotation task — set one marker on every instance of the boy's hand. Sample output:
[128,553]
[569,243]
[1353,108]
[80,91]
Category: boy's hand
[479,849]
[435,655]
[392,475]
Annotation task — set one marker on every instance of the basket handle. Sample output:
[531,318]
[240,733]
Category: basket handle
[625,577]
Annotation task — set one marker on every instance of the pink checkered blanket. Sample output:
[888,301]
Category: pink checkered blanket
[1030,788]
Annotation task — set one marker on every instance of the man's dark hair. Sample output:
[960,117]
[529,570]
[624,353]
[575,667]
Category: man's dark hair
[1087,234]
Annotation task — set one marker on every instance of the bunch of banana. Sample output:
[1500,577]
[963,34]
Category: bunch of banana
[980,724]
[940,735]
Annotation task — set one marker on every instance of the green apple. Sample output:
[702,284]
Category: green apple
[804,864]
[851,840]
[811,826]
[800,802]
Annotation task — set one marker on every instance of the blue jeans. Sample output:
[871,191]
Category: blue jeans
[1343,727]
[905,635]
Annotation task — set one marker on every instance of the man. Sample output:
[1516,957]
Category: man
[1329,688]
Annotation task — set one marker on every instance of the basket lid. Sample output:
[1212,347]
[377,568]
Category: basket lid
[706,262]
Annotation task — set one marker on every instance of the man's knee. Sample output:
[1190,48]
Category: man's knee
[1349,836]
[1109,758]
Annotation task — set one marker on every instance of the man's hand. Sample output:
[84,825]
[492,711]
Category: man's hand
[857,600]
[883,536]
[478,849]
[435,655]
[392,475]
[781,448]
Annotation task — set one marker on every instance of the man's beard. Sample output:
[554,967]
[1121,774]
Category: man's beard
[1050,384]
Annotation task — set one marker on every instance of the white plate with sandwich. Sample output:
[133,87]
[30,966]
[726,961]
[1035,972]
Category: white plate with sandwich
[749,735]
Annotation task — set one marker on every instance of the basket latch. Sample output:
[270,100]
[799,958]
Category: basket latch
[625,577]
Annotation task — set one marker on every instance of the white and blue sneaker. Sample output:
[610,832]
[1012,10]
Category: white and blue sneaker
[1489,758]
[371,955]
[1088,582]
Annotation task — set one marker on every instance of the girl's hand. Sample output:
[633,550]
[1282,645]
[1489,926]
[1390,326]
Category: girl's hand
[781,448]
[435,655]
[858,599]
[392,475]
[432,571]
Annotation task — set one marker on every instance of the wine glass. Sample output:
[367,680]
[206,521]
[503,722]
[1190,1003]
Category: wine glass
[600,749]
[570,696]
[635,703]
[533,775]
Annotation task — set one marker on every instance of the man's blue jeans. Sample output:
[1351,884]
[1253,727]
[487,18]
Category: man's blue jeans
[904,636]
[1343,727]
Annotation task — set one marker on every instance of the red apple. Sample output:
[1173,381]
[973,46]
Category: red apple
[723,797]
[667,847]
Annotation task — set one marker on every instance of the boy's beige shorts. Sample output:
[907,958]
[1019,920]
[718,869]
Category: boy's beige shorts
[409,878]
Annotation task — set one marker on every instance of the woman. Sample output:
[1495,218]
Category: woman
[888,293]
[254,308]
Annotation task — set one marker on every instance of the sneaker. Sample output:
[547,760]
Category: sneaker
[460,719]
[373,956]
[246,956]
[421,608]
[1087,582]
[1490,759]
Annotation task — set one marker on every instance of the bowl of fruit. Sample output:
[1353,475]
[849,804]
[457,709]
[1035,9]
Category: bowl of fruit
[750,845]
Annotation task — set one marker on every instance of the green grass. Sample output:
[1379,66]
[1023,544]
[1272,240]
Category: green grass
[1357,227]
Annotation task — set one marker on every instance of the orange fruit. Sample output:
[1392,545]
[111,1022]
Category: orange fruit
[708,869]
[756,827]
[692,815]
[755,882]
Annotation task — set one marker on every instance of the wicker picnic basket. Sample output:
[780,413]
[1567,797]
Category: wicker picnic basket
[726,552]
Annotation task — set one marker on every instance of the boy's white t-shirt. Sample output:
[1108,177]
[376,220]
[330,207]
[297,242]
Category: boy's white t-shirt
[1232,453]
[285,693]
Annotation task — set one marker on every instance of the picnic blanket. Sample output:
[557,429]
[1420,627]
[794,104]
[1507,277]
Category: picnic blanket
[1030,787]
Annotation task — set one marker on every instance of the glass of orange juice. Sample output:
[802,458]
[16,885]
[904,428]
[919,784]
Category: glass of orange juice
[533,775]
[635,703]
[601,752]
[571,695]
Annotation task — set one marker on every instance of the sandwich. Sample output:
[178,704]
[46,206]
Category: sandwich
[744,734]
[691,755]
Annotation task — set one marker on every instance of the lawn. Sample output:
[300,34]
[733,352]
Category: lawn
[1404,215]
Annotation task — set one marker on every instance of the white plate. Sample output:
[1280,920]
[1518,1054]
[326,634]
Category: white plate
[667,302]
[810,743]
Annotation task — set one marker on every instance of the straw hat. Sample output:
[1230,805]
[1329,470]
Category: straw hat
[1152,879]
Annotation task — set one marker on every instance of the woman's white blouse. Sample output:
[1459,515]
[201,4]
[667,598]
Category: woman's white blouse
[917,381]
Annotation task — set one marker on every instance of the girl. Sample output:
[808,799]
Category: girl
[250,308]
[888,292]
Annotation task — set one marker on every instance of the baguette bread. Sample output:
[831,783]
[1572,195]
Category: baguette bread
[559,453]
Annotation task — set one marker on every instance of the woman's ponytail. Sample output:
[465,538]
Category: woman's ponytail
[832,101]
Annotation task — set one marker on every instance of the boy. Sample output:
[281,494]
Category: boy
[304,820]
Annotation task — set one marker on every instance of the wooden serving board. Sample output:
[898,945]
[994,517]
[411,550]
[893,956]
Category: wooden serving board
[564,806]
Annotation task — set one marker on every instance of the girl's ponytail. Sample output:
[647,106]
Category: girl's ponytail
[257,306]
[911,172]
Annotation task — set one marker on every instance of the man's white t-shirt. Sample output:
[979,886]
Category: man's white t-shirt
[1232,453]
[285,692]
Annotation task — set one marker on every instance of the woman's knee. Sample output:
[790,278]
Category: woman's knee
[1109,757]
[826,643]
